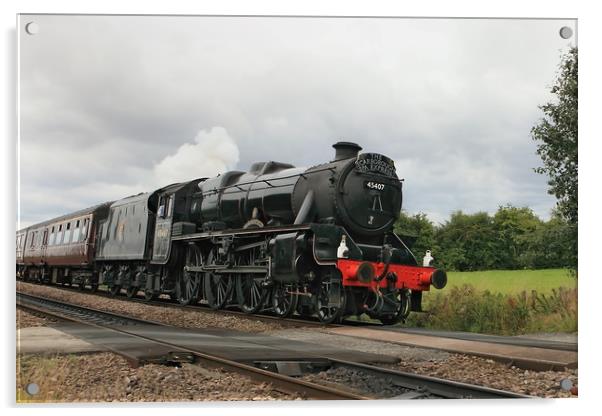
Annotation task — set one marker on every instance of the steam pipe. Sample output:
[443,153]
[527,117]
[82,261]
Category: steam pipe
[306,208]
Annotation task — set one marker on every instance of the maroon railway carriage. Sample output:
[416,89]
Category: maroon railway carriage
[60,250]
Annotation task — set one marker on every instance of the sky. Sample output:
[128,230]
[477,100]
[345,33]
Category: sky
[110,106]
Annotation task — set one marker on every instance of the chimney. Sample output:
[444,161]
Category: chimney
[346,150]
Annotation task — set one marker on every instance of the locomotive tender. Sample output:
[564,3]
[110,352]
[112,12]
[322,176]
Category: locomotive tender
[315,241]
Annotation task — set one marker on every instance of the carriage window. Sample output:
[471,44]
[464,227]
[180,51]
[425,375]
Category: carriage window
[76,232]
[85,229]
[52,237]
[59,236]
[68,233]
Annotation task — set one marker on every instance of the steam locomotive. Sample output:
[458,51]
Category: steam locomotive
[315,241]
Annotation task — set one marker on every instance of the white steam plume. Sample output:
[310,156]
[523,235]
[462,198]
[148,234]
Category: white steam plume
[211,153]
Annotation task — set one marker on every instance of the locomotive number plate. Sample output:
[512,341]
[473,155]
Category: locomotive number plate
[377,186]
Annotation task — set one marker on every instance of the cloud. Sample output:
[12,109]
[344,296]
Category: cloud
[212,152]
[113,105]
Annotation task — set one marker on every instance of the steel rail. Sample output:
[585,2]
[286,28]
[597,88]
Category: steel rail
[430,386]
[92,313]
[87,317]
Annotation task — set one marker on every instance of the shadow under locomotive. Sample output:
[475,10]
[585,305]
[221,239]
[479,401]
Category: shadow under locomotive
[314,241]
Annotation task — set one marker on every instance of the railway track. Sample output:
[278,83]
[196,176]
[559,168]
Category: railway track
[295,321]
[117,323]
[420,386]
[298,321]
[415,386]
[529,354]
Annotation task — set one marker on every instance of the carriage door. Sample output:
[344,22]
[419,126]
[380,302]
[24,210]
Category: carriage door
[162,242]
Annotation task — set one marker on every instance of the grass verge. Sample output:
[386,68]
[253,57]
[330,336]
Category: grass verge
[465,308]
[511,281]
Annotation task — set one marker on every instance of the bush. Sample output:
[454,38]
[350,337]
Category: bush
[466,309]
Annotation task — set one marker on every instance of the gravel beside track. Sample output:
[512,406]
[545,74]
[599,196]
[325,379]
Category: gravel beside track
[181,317]
[458,367]
[106,377]
[485,372]
[26,319]
[358,382]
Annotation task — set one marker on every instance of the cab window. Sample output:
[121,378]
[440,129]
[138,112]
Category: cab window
[162,211]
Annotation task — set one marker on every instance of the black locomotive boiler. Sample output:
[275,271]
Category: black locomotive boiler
[314,241]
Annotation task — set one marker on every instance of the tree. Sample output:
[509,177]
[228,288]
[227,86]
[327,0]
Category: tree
[417,230]
[513,238]
[514,226]
[549,246]
[556,135]
[468,242]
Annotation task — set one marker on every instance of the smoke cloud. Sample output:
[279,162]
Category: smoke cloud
[212,152]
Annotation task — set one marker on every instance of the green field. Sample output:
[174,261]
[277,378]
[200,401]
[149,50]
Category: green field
[507,302]
[511,281]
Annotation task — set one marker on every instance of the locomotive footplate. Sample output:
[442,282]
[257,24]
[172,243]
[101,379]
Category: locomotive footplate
[227,270]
